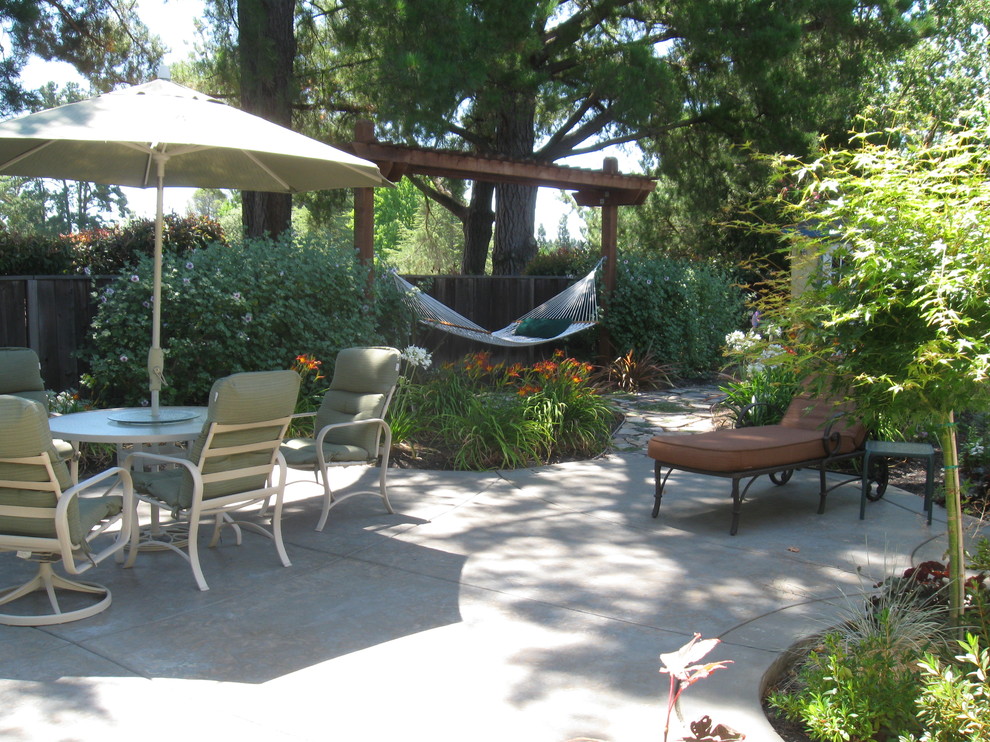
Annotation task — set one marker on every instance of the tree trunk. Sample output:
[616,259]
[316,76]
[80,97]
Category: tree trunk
[266,51]
[515,205]
[478,229]
[515,225]
[954,525]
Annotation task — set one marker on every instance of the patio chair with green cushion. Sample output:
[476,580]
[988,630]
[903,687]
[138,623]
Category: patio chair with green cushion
[20,374]
[44,518]
[350,425]
[230,467]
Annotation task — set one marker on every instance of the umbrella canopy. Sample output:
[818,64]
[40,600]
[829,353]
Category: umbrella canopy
[163,134]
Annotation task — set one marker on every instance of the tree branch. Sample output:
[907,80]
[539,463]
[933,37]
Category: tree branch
[443,198]
[571,122]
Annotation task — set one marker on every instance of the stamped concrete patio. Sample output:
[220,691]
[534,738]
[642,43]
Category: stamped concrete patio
[514,605]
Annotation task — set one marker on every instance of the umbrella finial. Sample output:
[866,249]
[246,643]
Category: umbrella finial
[164,73]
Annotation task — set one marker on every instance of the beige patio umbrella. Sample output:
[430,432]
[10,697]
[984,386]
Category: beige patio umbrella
[163,134]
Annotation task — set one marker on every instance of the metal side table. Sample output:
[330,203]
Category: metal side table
[887,449]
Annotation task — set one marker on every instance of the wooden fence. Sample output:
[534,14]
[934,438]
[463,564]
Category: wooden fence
[52,314]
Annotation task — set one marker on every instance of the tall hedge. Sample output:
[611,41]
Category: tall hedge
[679,310]
[245,307]
[101,251]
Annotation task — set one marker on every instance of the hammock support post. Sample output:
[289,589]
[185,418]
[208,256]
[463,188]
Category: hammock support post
[610,245]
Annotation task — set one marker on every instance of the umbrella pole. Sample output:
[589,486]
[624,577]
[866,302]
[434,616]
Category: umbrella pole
[156,359]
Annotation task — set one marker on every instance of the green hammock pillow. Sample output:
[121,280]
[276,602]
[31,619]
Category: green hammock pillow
[541,328]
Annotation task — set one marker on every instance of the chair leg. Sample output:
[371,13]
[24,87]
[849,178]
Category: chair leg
[135,540]
[327,500]
[193,553]
[47,580]
[864,485]
[659,483]
[736,506]
[381,482]
[277,532]
[822,489]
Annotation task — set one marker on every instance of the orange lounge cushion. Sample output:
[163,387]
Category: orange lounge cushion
[743,449]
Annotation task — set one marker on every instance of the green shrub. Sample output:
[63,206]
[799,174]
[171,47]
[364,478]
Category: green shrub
[887,673]
[679,311]
[108,251]
[560,397]
[769,391]
[562,262]
[481,415]
[102,251]
[862,690]
[954,704]
[254,306]
[34,255]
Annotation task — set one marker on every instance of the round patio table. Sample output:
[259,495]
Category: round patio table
[129,425]
[133,427]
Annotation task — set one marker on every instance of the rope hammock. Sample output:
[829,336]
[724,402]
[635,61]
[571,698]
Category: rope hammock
[572,310]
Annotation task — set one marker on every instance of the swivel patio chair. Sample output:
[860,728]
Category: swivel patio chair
[231,466]
[350,425]
[47,519]
[20,374]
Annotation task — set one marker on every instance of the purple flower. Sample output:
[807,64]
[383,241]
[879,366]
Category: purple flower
[236,295]
[189,266]
[135,278]
[247,317]
[186,281]
[123,359]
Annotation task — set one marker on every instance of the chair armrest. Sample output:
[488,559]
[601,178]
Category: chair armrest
[297,415]
[158,457]
[75,492]
[831,440]
[322,434]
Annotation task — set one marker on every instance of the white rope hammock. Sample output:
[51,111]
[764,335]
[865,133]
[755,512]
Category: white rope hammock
[577,303]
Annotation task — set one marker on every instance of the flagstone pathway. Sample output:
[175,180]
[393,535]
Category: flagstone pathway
[664,412]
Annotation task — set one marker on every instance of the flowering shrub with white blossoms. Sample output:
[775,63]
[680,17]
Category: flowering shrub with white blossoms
[764,379]
[417,357]
[755,350]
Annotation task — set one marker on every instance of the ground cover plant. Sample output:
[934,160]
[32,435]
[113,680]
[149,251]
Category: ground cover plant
[476,414]
[891,671]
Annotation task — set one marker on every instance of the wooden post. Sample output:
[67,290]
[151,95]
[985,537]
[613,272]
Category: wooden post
[610,239]
[364,210]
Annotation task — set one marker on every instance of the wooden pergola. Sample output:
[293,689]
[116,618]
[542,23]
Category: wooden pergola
[607,189]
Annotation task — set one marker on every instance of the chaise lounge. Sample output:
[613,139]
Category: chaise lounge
[813,434]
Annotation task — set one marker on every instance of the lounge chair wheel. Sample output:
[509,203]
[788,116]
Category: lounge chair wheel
[880,474]
[781,477]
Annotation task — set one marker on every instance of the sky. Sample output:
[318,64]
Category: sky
[173,21]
